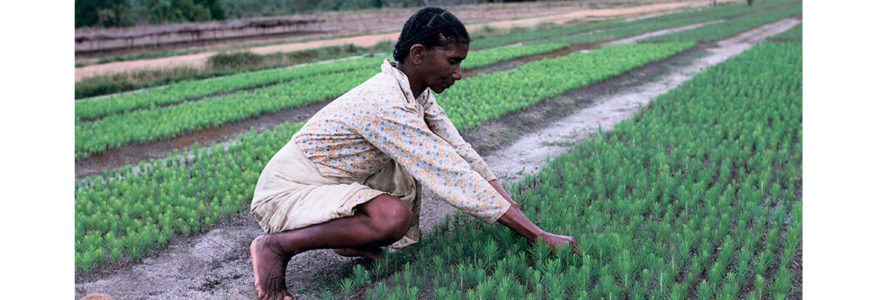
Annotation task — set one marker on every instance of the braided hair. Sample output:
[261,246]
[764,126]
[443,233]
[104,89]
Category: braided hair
[431,27]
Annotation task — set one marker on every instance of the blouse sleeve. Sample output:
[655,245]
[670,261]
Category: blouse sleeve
[401,133]
[439,123]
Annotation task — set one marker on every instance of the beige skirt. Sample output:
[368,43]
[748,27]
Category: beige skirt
[294,192]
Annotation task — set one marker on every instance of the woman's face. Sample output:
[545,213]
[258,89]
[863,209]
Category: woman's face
[442,66]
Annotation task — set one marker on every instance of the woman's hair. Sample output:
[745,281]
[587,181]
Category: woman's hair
[431,27]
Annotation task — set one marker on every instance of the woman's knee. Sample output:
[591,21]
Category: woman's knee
[389,216]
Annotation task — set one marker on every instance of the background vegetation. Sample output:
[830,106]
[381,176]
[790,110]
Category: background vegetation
[123,13]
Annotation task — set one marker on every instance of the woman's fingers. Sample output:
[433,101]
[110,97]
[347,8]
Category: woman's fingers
[575,246]
[555,241]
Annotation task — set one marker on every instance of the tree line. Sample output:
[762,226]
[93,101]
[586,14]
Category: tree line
[125,13]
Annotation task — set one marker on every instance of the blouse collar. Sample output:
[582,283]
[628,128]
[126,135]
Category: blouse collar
[389,67]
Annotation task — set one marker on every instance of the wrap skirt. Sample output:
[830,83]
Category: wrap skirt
[294,192]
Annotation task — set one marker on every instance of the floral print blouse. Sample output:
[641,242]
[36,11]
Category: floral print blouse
[379,121]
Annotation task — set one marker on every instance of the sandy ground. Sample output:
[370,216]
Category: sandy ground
[198,60]
[216,265]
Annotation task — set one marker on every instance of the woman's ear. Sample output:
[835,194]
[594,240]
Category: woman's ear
[417,53]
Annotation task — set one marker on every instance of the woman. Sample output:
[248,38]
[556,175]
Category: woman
[350,179]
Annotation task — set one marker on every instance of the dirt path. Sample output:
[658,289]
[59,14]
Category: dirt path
[198,60]
[216,264]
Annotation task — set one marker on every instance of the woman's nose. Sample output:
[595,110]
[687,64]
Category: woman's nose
[457,74]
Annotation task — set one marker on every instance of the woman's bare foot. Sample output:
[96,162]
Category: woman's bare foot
[269,268]
[374,253]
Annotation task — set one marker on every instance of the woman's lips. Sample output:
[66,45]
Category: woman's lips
[445,85]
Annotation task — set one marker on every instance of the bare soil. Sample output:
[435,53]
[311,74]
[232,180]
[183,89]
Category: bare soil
[216,264]
[394,22]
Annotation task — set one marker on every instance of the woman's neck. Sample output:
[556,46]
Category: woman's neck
[415,82]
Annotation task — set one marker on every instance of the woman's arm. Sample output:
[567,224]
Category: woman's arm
[518,222]
[439,123]
[441,168]
[497,186]
[404,137]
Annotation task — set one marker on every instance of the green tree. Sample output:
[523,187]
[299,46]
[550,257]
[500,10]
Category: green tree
[87,13]
[217,12]
[184,10]
[155,10]
[102,13]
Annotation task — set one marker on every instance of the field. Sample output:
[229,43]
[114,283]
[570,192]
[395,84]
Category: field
[688,187]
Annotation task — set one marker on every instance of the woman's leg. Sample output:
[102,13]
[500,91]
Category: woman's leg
[379,222]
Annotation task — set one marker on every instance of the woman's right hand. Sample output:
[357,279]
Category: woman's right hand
[556,241]
[518,222]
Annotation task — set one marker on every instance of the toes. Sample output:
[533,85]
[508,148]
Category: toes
[278,296]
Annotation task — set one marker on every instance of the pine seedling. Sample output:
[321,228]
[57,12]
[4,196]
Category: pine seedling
[704,290]
[538,291]
[759,285]
[763,260]
[379,292]
[556,287]
[677,291]
[346,285]
[412,293]
[361,276]
[782,282]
